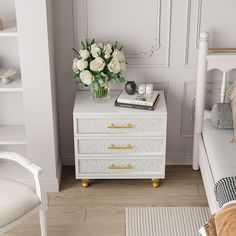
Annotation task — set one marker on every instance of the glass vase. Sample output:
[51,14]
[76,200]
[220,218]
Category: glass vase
[100,92]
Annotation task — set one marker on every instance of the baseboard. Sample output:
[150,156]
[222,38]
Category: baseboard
[171,159]
[50,184]
[179,159]
[59,172]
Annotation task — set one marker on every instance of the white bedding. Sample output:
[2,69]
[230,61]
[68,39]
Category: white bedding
[220,150]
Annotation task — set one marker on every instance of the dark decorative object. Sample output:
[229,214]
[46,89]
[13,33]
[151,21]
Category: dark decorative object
[130,87]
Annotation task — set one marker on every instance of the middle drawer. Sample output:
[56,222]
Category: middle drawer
[115,145]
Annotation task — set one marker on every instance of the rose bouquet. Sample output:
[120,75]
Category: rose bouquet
[97,64]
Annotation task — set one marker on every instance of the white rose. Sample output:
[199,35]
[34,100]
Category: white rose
[86,77]
[123,66]
[108,48]
[100,45]
[74,64]
[82,64]
[114,66]
[95,50]
[84,54]
[122,55]
[118,55]
[107,55]
[97,64]
[94,46]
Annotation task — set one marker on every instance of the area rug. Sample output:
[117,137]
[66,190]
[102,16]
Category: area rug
[166,221]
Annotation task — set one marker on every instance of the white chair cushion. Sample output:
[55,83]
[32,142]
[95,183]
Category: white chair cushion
[16,200]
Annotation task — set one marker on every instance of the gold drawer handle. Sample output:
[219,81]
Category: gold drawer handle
[112,126]
[118,167]
[114,147]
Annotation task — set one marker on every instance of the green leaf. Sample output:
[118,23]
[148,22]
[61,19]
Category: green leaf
[103,74]
[75,51]
[87,44]
[83,44]
[101,82]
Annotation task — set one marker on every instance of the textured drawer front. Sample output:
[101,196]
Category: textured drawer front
[119,146]
[113,166]
[120,125]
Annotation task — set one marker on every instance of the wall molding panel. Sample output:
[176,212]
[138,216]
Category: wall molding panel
[188,16]
[157,44]
[189,28]
[187,114]
[160,40]
[219,27]
[199,21]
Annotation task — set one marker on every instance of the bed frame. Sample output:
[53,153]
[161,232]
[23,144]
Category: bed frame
[209,59]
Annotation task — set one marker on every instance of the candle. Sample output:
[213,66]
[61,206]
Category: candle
[149,88]
[141,89]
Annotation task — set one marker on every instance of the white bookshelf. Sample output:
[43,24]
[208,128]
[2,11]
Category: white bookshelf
[14,86]
[28,115]
[10,30]
[12,135]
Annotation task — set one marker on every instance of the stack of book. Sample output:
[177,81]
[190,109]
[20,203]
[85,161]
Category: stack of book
[137,101]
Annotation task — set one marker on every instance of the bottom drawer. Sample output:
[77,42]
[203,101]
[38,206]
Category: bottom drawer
[97,166]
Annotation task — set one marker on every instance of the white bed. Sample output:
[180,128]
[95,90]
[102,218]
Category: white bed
[221,152]
[212,149]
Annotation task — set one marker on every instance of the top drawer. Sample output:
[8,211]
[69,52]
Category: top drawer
[120,125]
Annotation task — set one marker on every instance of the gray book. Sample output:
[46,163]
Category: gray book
[137,99]
[137,106]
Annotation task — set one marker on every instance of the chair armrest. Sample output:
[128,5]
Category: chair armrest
[27,164]
[34,169]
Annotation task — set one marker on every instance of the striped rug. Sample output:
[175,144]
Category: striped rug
[165,221]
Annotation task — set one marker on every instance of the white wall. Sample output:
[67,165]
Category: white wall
[31,51]
[64,41]
[170,27]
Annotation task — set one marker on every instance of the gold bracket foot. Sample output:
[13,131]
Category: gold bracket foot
[85,183]
[155,183]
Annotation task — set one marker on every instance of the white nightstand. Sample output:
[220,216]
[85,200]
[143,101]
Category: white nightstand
[119,143]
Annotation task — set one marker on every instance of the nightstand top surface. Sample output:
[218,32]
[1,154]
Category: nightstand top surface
[85,106]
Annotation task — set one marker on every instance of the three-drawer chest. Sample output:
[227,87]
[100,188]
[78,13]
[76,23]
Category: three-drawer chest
[118,143]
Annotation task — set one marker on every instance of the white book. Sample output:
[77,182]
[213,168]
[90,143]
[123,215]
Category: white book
[138,99]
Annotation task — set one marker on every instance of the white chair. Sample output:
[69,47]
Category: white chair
[18,201]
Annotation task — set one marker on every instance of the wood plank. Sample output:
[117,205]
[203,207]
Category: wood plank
[100,209]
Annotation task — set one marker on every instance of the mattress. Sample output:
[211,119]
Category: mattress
[220,150]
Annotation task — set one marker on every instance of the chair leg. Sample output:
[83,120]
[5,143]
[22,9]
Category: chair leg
[43,222]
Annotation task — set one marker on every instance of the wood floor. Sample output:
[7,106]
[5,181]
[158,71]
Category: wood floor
[100,209]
